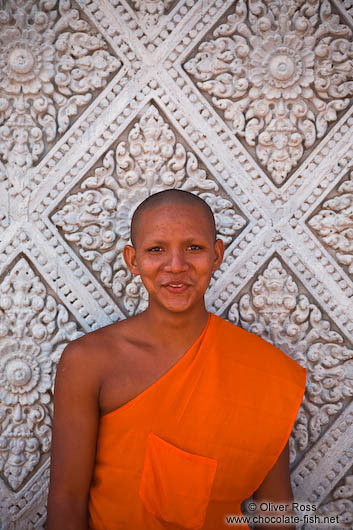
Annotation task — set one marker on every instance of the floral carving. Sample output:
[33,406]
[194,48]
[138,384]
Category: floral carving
[280,72]
[276,311]
[334,224]
[51,61]
[34,330]
[24,375]
[150,12]
[97,219]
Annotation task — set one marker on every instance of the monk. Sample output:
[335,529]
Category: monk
[171,418]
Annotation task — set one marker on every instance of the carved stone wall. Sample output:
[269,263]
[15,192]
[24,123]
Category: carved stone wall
[247,104]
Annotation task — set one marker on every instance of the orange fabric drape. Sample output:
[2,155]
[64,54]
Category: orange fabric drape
[190,448]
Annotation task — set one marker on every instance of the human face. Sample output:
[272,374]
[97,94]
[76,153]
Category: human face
[175,255]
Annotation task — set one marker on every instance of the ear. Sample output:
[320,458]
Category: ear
[219,253]
[129,254]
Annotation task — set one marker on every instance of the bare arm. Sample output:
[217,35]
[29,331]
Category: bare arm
[76,415]
[276,488]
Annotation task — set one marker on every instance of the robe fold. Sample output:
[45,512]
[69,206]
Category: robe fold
[190,448]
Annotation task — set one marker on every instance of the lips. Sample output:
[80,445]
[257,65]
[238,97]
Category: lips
[176,287]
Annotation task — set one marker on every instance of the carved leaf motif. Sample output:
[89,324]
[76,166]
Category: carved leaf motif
[277,312]
[34,330]
[46,75]
[280,72]
[334,224]
[97,219]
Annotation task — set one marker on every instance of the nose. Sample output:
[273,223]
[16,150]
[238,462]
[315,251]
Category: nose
[176,261]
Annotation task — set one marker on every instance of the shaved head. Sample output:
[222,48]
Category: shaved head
[171,197]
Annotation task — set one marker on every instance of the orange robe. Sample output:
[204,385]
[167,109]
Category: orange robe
[191,447]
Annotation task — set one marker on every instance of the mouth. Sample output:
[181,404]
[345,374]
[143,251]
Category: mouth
[176,287]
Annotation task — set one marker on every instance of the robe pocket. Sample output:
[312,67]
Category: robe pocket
[175,485]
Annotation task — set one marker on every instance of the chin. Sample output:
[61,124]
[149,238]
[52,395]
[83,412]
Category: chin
[176,308]
[180,307]
[176,303]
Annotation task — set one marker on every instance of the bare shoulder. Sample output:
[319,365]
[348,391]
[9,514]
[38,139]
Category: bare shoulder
[91,346]
[106,367]
[94,354]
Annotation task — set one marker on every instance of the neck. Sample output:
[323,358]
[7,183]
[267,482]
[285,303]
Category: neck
[175,329]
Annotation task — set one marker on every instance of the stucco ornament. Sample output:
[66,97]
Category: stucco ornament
[334,224]
[16,506]
[97,219]
[342,500]
[34,330]
[150,12]
[276,311]
[51,62]
[280,72]
[24,374]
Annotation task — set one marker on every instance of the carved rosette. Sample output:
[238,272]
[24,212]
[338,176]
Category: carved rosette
[334,224]
[279,72]
[34,330]
[276,311]
[51,62]
[97,219]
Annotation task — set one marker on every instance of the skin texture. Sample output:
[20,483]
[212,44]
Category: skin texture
[170,197]
[175,254]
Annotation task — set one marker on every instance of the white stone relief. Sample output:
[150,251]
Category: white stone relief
[150,12]
[280,72]
[348,5]
[34,330]
[26,509]
[334,223]
[342,503]
[51,61]
[276,311]
[97,220]
[280,75]
[4,221]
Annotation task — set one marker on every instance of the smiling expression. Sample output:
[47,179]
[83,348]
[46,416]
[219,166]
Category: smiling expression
[175,255]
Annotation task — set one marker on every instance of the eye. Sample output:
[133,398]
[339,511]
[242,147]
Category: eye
[195,247]
[154,249]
